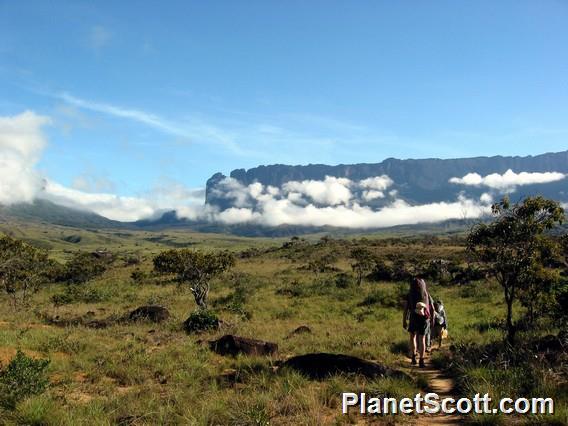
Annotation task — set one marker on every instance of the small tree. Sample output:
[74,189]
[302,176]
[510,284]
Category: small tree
[321,263]
[363,262]
[22,269]
[514,246]
[195,268]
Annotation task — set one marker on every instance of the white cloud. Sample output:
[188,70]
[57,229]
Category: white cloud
[21,146]
[267,206]
[128,209]
[373,195]
[486,198]
[509,180]
[125,209]
[331,191]
[379,183]
[275,212]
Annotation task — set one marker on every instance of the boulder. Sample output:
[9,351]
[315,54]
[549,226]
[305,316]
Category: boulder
[322,365]
[234,345]
[152,313]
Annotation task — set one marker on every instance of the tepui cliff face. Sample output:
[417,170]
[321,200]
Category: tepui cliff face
[416,182]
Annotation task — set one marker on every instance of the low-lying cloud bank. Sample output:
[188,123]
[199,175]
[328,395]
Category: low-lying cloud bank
[333,201]
[508,181]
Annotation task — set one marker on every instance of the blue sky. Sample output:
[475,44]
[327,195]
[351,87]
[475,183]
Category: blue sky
[143,94]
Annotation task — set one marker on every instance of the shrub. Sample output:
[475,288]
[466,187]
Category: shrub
[22,269]
[74,294]
[201,320]
[381,272]
[23,377]
[84,267]
[139,276]
[343,280]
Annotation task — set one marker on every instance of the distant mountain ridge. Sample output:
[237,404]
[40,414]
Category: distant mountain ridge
[43,211]
[417,181]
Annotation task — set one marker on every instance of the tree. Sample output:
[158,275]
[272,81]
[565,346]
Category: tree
[22,268]
[514,246]
[363,261]
[195,268]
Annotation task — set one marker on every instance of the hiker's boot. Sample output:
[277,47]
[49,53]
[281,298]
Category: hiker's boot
[421,363]
[413,362]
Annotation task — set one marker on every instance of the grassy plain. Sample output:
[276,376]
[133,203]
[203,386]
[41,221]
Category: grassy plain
[144,373]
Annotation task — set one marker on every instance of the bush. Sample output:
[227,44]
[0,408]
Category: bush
[343,280]
[139,276]
[84,267]
[23,377]
[75,294]
[381,272]
[201,320]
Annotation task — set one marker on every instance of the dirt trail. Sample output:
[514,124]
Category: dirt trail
[444,387]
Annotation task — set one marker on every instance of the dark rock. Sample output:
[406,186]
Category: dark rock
[152,313]
[234,345]
[322,365]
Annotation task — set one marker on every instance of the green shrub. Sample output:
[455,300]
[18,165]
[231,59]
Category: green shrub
[23,377]
[139,276]
[85,266]
[343,280]
[76,294]
[201,320]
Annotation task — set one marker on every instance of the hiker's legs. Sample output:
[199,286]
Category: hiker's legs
[428,337]
[413,347]
[421,345]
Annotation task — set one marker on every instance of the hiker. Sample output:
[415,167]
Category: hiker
[416,318]
[440,322]
[430,325]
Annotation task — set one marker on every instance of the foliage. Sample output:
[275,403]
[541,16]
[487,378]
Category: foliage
[514,246]
[23,377]
[343,280]
[83,267]
[363,262]
[321,263]
[139,276]
[201,320]
[382,271]
[22,268]
[195,268]
[77,294]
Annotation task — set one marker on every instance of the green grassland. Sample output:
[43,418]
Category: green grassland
[144,373]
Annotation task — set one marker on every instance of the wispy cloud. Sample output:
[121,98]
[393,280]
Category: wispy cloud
[99,37]
[196,131]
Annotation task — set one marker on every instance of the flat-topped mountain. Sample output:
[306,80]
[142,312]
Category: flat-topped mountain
[416,181]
